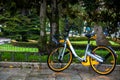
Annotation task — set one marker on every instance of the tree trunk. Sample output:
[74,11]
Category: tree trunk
[43,39]
[54,23]
[54,20]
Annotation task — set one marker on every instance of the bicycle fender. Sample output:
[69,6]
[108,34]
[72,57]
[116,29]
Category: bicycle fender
[113,51]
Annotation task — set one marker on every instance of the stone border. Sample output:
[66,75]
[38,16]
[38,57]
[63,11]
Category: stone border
[38,65]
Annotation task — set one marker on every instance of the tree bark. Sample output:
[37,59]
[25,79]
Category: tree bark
[54,20]
[53,16]
[43,39]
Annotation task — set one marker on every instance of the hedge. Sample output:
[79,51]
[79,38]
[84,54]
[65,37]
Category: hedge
[34,44]
[24,44]
[82,38]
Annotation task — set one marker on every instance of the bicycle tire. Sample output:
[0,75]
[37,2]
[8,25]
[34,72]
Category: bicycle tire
[109,60]
[59,65]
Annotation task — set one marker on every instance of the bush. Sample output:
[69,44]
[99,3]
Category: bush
[24,44]
[78,38]
[83,38]
[81,46]
[117,40]
[1,34]
[34,37]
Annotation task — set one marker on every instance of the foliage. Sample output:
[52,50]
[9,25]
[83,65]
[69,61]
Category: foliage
[104,11]
[21,56]
[19,23]
[25,44]
[35,57]
[78,38]
[21,19]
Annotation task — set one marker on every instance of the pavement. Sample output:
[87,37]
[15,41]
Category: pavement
[40,71]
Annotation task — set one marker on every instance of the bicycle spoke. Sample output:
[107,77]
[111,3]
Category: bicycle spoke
[109,60]
[107,56]
[57,61]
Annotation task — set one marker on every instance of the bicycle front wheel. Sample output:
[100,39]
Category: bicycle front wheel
[109,60]
[58,63]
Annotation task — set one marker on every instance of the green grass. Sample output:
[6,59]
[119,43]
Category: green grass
[35,57]
[9,47]
[114,43]
[93,42]
[22,57]
[81,53]
[20,52]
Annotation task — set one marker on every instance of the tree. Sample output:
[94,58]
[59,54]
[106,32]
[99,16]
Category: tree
[43,38]
[53,16]
[19,18]
[113,14]
[104,11]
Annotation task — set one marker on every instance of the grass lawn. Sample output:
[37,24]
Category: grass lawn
[93,42]
[35,57]
[9,47]
[81,53]
[6,48]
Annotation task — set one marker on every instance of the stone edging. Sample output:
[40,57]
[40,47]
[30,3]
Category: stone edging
[41,65]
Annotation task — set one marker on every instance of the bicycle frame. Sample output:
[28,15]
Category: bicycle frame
[61,57]
[87,53]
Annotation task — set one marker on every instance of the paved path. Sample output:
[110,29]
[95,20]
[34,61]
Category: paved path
[44,73]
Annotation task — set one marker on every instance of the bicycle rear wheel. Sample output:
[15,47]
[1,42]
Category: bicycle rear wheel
[109,60]
[56,63]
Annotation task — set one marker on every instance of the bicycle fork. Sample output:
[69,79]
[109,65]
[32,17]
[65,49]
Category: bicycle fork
[61,53]
[96,57]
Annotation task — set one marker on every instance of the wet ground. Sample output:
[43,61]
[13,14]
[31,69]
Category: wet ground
[74,72]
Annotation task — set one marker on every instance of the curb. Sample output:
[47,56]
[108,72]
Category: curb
[23,65]
[37,65]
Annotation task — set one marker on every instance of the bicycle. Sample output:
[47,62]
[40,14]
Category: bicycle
[102,59]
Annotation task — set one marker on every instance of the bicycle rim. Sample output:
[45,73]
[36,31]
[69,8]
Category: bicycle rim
[109,60]
[56,64]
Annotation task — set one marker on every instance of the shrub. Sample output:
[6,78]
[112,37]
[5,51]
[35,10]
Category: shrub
[24,44]
[83,38]
[78,38]
[1,34]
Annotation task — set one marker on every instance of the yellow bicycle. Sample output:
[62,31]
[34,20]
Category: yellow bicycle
[102,58]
